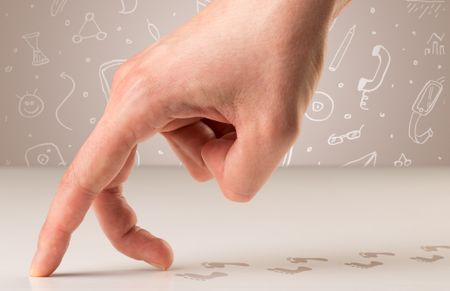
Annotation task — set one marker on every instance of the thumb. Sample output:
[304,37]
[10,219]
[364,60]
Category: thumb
[242,162]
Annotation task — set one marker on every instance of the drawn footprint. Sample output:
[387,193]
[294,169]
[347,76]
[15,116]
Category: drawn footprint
[211,265]
[289,271]
[434,248]
[297,260]
[374,254]
[433,259]
[364,266]
[201,277]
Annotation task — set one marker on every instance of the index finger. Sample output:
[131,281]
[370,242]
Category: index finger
[97,163]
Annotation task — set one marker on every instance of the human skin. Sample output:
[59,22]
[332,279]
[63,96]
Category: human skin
[228,90]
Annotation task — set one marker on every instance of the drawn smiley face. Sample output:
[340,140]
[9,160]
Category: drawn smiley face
[30,105]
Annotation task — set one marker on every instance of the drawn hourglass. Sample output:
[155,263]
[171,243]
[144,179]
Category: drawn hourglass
[39,58]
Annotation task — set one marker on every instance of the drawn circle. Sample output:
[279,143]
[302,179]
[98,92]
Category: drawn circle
[89,16]
[85,94]
[348,116]
[67,22]
[43,159]
[101,35]
[77,38]
[321,108]
[92,120]
[341,85]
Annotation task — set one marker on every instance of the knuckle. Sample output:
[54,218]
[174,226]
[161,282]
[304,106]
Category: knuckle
[283,128]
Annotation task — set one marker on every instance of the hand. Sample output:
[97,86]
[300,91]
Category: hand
[227,90]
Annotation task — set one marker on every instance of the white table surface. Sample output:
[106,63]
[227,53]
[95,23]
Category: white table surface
[329,214]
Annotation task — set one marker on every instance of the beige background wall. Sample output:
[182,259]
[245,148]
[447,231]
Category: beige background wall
[49,102]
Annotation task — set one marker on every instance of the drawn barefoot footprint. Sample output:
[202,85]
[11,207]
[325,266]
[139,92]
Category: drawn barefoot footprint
[374,254]
[201,277]
[434,248]
[290,272]
[364,266]
[297,260]
[433,259]
[211,265]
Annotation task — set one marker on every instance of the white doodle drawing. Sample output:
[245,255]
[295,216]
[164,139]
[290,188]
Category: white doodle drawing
[423,105]
[403,161]
[89,20]
[202,4]
[342,50]
[30,105]
[138,159]
[65,77]
[369,160]
[351,135]
[287,158]
[106,87]
[153,30]
[321,108]
[333,24]
[365,85]
[57,7]
[435,45]
[425,7]
[42,154]
[128,6]
[39,58]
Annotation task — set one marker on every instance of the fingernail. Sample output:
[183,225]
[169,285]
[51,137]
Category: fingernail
[162,268]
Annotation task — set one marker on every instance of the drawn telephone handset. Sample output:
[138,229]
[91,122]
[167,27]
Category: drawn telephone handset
[424,104]
[366,85]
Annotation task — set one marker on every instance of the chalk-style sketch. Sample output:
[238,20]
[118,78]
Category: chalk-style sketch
[342,50]
[138,159]
[432,259]
[435,45]
[287,158]
[202,4]
[370,265]
[435,248]
[42,154]
[369,160]
[128,6]
[403,161]
[425,7]
[65,77]
[321,108]
[297,270]
[30,105]
[153,30]
[297,260]
[370,255]
[333,24]
[201,277]
[39,58]
[213,265]
[423,105]
[57,7]
[105,83]
[89,20]
[365,85]
[351,135]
